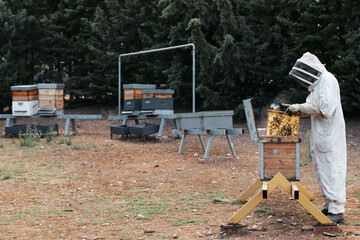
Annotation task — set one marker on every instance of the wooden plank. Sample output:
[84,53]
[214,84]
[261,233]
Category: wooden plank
[47,91]
[47,97]
[279,154]
[161,95]
[129,94]
[284,163]
[281,139]
[313,210]
[271,173]
[147,95]
[250,190]
[59,105]
[280,145]
[304,191]
[276,150]
[246,209]
[47,103]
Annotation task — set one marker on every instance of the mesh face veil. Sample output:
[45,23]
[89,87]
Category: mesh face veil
[304,73]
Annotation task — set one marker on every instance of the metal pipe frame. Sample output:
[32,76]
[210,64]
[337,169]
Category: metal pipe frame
[158,50]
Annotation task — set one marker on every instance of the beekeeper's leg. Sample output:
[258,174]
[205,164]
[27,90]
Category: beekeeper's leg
[332,182]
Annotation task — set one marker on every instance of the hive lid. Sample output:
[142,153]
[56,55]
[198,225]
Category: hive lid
[23,87]
[50,85]
[139,86]
[158,91]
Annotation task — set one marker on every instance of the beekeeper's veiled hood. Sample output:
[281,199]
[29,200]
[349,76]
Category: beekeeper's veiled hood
[307,69]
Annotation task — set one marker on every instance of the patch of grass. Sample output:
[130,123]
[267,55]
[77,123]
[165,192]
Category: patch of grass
[100,199]
[357,223]
[91,145]
[261,210]
[30,138]
[49,136]
[68,141]
[161,236]
[306,212]
[183,222]
[345,223]
[355,212]
[5,172]
[78,147]
[351,181]
[7,176]
[358,195]
[17,218]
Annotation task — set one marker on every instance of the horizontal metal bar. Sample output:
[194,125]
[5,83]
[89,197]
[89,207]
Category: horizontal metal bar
[159,116]
[235,131]
[79,116]
[157,50]
[58,116]
[4,116]
[194,131]
[217,131]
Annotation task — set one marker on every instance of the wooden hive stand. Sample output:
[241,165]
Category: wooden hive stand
[279,166]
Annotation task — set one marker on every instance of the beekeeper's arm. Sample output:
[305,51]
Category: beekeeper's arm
[325,105]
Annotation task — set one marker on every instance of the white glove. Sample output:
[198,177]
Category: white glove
[293,109]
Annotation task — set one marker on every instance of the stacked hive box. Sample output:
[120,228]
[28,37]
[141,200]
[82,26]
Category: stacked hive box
[24,100]
[51,98]
[132,95]
[280,152]
[157,99]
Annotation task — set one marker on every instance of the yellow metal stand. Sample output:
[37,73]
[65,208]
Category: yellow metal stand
[294,189]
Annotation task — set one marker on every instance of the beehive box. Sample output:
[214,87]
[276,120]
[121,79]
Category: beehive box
[280,153]
[25,100]
[205,120]
[133,96]
[281,156]
[24,93]
[157,99]
[281,124]
[51,96]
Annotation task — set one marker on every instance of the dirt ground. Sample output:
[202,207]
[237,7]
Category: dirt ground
[87,186]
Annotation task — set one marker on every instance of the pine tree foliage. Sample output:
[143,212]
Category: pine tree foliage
[244,49]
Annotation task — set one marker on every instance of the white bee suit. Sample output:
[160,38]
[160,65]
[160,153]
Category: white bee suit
[328,137]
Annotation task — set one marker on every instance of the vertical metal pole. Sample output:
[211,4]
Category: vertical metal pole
[193,68]
[261,164]
[119,88]
[297,161]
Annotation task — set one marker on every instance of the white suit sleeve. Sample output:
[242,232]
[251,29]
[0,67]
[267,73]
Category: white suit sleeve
[328,95]
[310,108]
[327,99]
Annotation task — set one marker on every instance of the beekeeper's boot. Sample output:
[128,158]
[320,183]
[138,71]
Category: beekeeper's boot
[336,218]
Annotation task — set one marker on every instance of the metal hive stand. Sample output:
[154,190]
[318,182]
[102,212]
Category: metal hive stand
[294,188]
[211,133]
[68,118]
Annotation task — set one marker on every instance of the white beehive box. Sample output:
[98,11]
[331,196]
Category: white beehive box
[25,101]
[25,108]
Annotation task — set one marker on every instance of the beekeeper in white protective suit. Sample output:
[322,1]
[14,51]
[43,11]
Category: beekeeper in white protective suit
[328,140]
